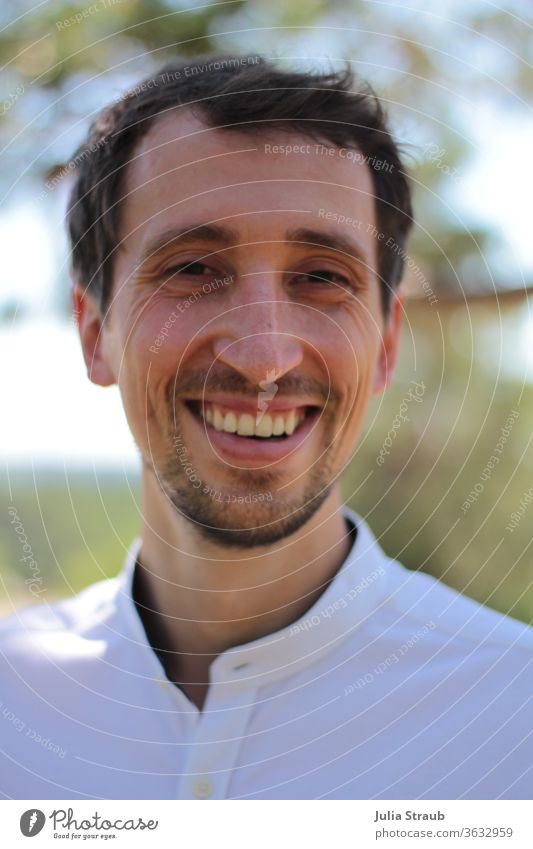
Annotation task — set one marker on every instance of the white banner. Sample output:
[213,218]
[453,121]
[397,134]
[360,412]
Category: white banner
[269,824]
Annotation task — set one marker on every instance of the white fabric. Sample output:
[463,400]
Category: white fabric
[392,686]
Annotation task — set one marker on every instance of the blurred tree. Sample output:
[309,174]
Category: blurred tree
[434,67]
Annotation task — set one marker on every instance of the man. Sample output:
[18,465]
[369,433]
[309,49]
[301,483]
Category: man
[237,238]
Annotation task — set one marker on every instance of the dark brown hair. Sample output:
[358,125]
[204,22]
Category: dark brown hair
[246,93]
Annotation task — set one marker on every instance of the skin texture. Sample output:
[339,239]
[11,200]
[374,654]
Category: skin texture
[303,317]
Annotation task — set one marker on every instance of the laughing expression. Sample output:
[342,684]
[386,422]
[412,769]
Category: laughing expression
[245,327]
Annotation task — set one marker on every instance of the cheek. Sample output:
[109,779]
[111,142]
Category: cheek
[357,343]
[148,364]
[166,325]
[352,361]
[154,335]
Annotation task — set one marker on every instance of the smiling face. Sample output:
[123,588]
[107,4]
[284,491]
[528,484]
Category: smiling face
[245,327]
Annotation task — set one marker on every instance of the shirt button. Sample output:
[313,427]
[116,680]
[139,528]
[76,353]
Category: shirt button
[202,788]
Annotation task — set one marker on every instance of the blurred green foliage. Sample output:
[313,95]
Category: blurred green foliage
[79,526]
[435,501]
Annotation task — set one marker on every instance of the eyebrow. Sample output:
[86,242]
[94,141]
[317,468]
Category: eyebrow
[212,233]
[331,241]
[222,235]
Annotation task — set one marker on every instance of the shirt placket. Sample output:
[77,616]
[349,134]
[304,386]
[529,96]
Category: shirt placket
[216,740]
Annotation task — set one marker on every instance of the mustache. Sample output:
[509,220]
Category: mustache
[199,383]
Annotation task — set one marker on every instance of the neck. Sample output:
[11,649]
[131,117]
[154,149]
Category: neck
[198,599]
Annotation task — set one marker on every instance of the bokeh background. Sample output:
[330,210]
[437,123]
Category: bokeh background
[456,78]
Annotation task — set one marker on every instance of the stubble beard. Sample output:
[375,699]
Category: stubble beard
[264,515]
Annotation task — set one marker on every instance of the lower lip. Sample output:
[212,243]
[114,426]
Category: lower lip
[268,450]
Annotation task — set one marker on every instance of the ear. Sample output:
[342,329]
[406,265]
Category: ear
[93,336]
[389,344]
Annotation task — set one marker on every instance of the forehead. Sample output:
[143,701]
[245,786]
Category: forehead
[260,183]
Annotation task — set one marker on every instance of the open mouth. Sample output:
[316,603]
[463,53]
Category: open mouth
[264,426]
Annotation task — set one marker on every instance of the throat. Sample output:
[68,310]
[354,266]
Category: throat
[188,672]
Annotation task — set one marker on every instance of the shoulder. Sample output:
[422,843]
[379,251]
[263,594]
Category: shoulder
[43,631]
[453,615]
[413,600]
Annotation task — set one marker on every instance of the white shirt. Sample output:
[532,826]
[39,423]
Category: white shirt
[391,686]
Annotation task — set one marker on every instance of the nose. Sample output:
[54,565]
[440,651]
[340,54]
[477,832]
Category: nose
[257,339]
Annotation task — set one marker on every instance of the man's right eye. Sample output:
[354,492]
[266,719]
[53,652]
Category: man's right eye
[192,268]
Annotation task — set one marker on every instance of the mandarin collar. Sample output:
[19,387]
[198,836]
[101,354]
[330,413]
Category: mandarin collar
[347,602]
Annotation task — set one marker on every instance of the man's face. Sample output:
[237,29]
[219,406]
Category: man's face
[245,327]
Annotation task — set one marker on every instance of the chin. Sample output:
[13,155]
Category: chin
[241,518]
[259,527]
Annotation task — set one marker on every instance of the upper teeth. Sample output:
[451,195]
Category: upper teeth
[245,424]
